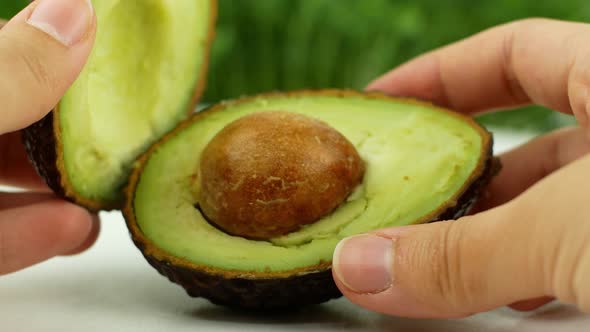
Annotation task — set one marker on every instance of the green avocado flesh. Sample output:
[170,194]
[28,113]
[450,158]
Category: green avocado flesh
[417,159]
[137,85]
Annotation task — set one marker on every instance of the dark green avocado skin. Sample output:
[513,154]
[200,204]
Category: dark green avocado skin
[40,145]
[470,196]
[296,291]
[260,295]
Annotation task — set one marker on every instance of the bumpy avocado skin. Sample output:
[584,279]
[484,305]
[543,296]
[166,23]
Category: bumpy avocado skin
[40,145]
[277,294]
[472,194]
[252,294]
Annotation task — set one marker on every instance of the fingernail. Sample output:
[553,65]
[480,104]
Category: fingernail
[364,263]
[67,21]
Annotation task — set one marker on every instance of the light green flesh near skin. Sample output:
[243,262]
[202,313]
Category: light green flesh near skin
[416,158]
[137,85]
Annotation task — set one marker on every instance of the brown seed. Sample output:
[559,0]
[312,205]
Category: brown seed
[269,173]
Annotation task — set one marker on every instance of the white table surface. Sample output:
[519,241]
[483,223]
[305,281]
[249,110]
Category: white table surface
[112,288]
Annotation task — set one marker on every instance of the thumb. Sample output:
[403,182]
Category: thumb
[42,51]
[443,270]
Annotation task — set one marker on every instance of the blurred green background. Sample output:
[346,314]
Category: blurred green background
[264,45]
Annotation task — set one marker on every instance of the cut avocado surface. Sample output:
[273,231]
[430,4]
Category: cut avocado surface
[144,75]
[421,163]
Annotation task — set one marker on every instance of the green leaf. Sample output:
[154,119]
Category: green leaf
[281,45]
[9,8]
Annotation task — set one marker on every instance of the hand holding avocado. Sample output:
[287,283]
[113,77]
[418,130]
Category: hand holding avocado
[530,243]
[42,50]
[527,246]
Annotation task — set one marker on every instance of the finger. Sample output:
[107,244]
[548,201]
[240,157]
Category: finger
[535,60]
[533,304]
[14,200]
[440,270]
[22,199]
[15,168]
[42,51]
[32,234]
[90,239]
[526,165]
[534,246]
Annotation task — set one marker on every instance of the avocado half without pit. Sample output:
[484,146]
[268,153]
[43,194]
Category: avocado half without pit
[245,202]
[145,74]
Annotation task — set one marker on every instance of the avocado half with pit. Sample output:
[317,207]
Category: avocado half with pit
[145,74]
[244,203]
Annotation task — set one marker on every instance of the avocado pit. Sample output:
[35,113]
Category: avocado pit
[270,173]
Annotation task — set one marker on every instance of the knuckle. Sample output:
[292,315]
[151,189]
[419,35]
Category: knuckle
[580,282]
[520,26]
[533,22]
[579,87]
[454,285]
[29,69]
[572,274]
[567,267]
[38,74]
[37,71]
[578,74]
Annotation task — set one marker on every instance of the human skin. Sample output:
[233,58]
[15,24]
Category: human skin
[525,247]
[528,241]
[42,51]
